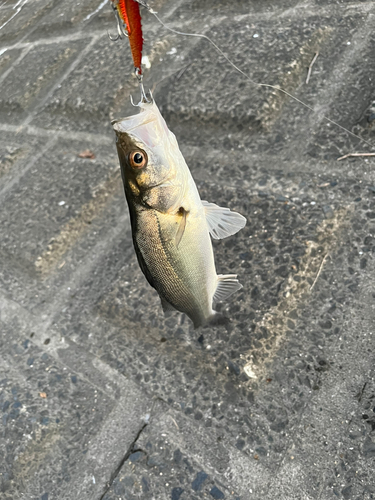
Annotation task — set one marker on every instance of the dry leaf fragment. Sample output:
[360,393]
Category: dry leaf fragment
[86,154]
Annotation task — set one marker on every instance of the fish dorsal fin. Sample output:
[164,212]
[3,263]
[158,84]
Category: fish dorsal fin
[226,285]
[222,222]
[181,227]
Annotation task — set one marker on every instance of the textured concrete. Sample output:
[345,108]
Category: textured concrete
[102,398]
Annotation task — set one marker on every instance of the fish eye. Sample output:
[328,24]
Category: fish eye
[138,159]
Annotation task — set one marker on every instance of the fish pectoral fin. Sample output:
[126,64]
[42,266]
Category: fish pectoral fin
[181,228]
[222,222]
[226,285]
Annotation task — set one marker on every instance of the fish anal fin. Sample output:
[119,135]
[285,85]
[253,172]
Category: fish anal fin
[222,222]
[181,228]
[226,285]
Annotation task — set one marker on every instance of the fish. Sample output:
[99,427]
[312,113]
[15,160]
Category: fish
[171,226]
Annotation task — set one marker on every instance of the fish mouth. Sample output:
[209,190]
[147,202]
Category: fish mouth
[119,120]
[136,124]
[137,119]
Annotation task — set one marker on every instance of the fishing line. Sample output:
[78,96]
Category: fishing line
[266,85]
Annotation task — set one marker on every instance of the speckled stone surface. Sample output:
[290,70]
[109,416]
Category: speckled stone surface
[101,396]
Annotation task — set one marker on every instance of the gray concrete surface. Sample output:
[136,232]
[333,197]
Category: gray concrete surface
[101,397]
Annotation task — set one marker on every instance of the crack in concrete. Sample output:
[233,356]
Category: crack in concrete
[361,392]
[129,451]
[132,448]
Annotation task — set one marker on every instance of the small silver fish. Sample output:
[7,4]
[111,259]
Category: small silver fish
[171,225]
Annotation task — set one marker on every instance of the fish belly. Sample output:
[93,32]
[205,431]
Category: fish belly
[183,275]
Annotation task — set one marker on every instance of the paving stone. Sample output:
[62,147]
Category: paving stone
[22,18]
[48,207]
[332,441]
[7,59]
[354,115]
[52,423]
[14,154]
[79,245]
[77,103]
[166,467]
[65,18]
[260,114]
[26,85]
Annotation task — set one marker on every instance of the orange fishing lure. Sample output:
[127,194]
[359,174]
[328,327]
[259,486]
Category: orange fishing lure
[129,13]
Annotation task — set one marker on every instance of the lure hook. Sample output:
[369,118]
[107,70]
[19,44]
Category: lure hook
[144,97]
[120,27]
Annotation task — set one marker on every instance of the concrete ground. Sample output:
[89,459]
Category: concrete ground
[101,397]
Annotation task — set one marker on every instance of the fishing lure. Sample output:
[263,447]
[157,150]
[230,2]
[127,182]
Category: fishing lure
[127,13]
